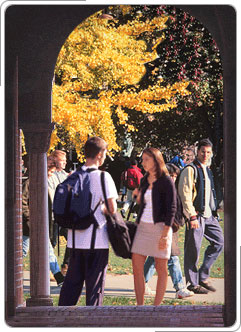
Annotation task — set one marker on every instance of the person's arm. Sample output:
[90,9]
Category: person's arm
[185,190]
[112,205]
[171,207]
[111,194]
[136,194]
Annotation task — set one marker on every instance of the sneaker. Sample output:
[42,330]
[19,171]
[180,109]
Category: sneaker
[59,278]
[148,291]
[197,289]
[182,293]
[123,213]
[207,285]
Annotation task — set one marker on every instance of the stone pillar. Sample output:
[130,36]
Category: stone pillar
[37,137]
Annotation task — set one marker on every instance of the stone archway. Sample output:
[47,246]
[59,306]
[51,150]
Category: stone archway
[41,32]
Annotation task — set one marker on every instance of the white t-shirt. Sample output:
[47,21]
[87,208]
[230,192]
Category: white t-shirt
[83,237]
[57,178]
[147,215]
[207,211]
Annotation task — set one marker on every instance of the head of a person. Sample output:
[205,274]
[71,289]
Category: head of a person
[133,162]
[95,148]
[59,158]
[153,162]
[189,155]
[204,151]
[51,166]
[173,171]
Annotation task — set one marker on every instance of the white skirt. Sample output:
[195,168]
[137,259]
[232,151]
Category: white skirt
[147,238]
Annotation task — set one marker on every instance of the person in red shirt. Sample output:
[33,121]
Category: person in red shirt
[131,179]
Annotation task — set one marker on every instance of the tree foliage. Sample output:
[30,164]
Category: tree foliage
[151,71]
[98,78]
[187,52]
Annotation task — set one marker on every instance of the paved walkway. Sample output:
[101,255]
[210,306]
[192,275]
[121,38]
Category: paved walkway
[123,285]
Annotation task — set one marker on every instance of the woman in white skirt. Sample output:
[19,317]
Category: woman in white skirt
[157,199]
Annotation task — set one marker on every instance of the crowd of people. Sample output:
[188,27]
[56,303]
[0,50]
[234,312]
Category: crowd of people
[146,187]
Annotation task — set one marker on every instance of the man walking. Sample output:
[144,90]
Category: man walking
[86,264]
[131,179]
[196,189]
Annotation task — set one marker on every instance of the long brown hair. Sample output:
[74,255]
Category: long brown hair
[156,154]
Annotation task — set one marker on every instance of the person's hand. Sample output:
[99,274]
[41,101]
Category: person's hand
[135,193]
[194,224]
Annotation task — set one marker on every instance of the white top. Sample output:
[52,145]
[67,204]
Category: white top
[57,178]
[147,215]
[83,237]
[207,210]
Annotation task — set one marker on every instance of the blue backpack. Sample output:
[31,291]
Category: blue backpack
[72,201]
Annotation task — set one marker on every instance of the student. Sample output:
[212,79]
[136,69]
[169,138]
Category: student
[174,267]
[53,263]
[197,192]
[157,199]
[58,176]
[90,265]
[132,178]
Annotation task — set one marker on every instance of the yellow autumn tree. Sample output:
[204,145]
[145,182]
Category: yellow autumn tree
[96,78]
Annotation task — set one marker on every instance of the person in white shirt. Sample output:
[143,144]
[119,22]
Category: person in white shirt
[59,159]
[86,264]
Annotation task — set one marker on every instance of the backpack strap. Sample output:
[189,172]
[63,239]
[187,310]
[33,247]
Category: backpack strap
[102,178]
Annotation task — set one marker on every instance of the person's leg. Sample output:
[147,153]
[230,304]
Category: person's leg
[161,268]
[74,280]
[175,272]
[54,266]
[128,201]
[192,245]
[139,281]
[96,262]
[25,245]
[64,265]
[54,238]
[53,263]
[149,268]
[214,234]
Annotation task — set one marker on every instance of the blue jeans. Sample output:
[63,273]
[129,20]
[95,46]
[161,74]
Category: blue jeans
[212,231]
[53,263]
[174,269]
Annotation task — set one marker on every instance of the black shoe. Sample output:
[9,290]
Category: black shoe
[197,289]
[207,285]
[59,278]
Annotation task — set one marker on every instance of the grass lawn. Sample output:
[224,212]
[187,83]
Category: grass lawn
[127,301]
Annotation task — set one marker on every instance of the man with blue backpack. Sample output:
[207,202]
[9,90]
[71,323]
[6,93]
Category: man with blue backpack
[78,206]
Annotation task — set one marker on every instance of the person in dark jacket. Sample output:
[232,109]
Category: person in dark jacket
[157,199]
[198,195]
[174,267]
